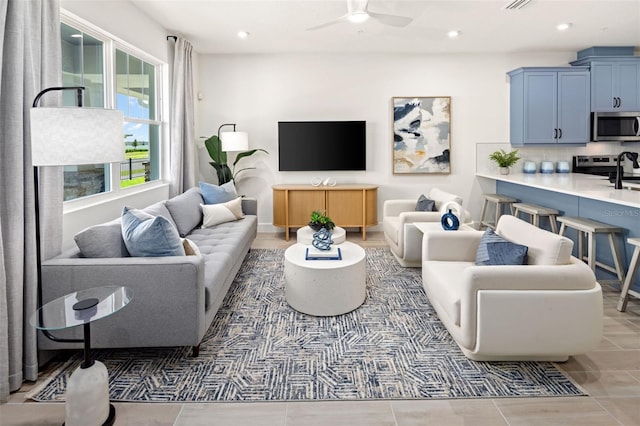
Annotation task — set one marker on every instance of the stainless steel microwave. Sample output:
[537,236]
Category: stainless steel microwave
[615,126]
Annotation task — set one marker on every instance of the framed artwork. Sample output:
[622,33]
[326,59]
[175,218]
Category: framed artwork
[422,135]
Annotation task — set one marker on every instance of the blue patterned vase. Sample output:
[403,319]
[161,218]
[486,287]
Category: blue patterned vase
[449,221]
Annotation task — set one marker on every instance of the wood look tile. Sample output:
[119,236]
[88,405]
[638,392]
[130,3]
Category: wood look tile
[607,383]
[233,414]
[32,413]
[146,414]
[478,412]
[625,410]
[579,411]
[603,360]
[340,413]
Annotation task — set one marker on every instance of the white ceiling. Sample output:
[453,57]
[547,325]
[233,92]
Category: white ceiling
[280,26]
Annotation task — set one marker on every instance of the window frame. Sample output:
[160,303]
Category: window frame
[112,43]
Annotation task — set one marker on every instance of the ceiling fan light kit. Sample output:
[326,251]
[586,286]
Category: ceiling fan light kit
[357,12]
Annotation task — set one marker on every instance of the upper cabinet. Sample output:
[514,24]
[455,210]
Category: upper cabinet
[549,105]
[615,77]
[615,86]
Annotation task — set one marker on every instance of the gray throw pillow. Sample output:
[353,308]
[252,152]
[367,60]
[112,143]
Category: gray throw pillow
[425,204]
[104,240]
[495,250]
[185,210]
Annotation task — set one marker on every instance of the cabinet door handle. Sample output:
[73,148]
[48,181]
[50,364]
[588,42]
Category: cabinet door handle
[559,133]
[555,133]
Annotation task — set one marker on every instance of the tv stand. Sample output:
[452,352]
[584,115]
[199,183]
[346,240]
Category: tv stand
[347,205]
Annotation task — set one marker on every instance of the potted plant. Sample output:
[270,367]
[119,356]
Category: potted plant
[505,159]
[319,220]
[219,157]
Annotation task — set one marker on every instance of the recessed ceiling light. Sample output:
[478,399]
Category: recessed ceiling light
[358,17]
[453,33]
[243,34]
[564,26]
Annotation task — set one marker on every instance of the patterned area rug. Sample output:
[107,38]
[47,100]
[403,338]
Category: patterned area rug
[258,348]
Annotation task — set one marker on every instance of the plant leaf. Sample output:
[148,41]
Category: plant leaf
[241,155]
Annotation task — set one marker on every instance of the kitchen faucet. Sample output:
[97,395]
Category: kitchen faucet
[633,156]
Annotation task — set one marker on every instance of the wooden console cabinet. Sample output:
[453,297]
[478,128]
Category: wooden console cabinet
[346,205]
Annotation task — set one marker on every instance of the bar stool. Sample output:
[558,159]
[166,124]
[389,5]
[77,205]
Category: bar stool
[633,269]
[535,212]
[591,228]
[500,201]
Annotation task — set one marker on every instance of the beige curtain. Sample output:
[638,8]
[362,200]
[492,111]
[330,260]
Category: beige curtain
[31,61]
[183,150]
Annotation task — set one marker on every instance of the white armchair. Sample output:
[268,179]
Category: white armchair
[548,309]
[404,239]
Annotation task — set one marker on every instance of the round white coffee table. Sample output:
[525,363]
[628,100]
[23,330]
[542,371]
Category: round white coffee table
[325,287]
[304,235]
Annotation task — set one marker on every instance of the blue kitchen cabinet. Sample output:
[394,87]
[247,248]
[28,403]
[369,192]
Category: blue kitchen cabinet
[549,105]
[615,86]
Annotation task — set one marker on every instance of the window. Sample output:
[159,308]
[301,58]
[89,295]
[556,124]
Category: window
[129,84]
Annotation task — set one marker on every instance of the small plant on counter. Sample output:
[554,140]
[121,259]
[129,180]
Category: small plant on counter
[505,159]
[319,220]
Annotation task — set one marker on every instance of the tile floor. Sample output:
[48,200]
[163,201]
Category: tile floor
[610,374]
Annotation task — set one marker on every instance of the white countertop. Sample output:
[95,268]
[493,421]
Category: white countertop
[578,184]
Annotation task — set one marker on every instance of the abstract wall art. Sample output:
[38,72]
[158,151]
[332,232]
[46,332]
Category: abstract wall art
[422,135]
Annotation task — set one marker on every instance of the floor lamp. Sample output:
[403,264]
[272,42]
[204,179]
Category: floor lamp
[64,136]
[232,141]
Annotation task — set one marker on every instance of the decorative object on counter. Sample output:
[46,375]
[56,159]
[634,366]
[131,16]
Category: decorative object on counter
[450,221]
[562,167]
[218,146]
[454,208]
[416,148]
[320,220]
[322,239]
[505,159]
[546,167]
[529,167]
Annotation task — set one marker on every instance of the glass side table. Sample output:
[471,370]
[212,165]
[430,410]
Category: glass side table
[88,387]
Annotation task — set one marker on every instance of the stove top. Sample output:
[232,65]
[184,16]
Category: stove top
[602,165]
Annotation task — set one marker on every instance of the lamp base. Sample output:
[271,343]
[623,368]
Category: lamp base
[88,397]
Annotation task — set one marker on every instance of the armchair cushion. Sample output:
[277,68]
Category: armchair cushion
[545,248]
[495,250]
[425,204]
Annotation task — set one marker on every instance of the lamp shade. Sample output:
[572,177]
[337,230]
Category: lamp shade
[73,136]
[234,141]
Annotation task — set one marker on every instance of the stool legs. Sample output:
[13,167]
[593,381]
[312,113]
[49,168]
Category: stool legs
[631,273]
[554,224]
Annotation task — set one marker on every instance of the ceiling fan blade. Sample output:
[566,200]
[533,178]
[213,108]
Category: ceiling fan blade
[328,24]
[392,20]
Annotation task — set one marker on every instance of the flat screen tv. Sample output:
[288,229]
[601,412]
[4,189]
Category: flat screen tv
[321,145]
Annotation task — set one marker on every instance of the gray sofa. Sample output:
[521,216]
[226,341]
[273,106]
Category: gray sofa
[175,298]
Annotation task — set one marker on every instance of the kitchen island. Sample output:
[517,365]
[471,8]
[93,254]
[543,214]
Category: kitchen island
[576,194]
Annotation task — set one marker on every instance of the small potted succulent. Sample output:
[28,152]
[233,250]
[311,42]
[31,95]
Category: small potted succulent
[319,220]
[504,159]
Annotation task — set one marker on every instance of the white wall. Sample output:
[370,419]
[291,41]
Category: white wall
[126,22]
[256,91]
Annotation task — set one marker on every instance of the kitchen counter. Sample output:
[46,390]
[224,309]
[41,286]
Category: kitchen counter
[577,184]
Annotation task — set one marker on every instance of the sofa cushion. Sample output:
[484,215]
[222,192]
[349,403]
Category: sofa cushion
[214,194]
[425,204]
[215,214]
[441,197]
[146,235]
[185,210]
[495,250]
[545,248]
[103,240]
[160,209]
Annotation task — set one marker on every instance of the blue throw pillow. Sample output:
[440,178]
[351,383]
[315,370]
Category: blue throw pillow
[495,250]
[149,236]
[425,204]
[214,194]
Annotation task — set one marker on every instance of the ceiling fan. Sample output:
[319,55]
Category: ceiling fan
[357,12]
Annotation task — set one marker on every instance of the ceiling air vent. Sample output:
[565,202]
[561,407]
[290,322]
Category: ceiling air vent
[516,4]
